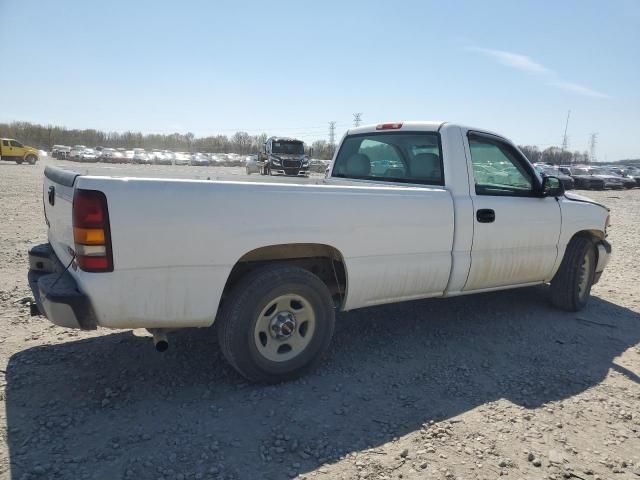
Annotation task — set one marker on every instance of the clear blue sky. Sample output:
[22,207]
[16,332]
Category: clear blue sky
[291,67]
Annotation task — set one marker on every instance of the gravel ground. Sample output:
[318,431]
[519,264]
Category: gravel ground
[470,387]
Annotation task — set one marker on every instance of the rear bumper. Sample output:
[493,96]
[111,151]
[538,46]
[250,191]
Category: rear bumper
[604,254]
[56,292]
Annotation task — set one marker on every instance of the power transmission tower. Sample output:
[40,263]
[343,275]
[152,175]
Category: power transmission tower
[332,137]
[565,141]
[593,141]
[332,133]
[357,119]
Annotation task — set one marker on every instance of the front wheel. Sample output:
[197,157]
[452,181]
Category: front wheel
[571,285]
[276,324]
[31,159]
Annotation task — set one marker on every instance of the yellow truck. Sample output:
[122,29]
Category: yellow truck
[14,151]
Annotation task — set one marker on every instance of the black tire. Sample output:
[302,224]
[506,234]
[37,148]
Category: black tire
[568,291]
[19,161]
[32,159]
[241,311]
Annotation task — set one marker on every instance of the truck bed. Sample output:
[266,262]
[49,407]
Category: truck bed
[175,241]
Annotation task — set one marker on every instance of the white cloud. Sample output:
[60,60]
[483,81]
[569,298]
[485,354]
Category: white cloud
[514,60]
[528,65]
[579,89]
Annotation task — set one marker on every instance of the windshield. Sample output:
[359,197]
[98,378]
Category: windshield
[288,147]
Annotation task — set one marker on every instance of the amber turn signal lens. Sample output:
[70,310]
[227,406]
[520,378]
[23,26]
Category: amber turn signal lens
[88,236]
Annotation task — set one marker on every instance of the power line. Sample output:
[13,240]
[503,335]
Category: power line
[357,119]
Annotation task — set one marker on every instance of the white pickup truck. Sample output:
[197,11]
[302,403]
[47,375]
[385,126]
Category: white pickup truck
[407,211]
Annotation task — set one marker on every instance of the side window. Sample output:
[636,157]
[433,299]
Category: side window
[404,157]
[16,144]
[497,169]
[5,143]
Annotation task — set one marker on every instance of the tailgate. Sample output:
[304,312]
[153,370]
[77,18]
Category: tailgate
[58,202]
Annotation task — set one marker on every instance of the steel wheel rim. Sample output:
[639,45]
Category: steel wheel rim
[583,283]
[284,328]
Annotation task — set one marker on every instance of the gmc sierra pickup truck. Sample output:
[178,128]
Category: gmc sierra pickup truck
[407,211]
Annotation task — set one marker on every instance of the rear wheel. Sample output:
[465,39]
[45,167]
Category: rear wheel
[571,285]
[19,161]
[276,324]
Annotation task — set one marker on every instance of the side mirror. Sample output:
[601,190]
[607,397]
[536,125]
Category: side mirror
[552,187]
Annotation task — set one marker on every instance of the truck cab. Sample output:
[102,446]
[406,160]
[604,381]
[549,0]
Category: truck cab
[285,156]
[14,151]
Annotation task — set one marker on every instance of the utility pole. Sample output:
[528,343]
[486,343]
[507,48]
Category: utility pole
[357,119]
[593,141]
[565,141]
[332,136]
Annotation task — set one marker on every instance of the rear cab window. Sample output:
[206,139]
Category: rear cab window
[404,157]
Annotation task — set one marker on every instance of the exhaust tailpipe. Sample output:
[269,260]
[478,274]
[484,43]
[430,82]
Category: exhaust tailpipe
[160,340]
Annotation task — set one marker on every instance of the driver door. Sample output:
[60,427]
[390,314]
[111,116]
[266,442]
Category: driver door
[516,231]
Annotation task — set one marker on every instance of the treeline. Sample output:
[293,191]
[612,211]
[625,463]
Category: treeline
[45,136]
[554,155]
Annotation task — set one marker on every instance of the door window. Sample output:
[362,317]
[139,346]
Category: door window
[16,144]
[5,143]
[498,169]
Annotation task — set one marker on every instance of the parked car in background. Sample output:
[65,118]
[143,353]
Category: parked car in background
[106,155]
[62,153]
[583,178]
[76,150]
[14,151]
[549,170]
[633,172]
[55,150]
[88,155]
[627,182]
[162,158]
[199,160]
[182,158]
[128,156]
[251,164]
[610,181]
[140,156]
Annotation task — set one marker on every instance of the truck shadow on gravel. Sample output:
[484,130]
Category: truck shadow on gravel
[111,407]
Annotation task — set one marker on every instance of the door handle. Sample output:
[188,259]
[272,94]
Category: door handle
[486,215]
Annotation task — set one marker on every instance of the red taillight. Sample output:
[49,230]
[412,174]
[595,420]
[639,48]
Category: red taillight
[91,231]
[389,126]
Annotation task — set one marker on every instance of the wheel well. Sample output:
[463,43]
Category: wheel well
[593,235]
[323,261]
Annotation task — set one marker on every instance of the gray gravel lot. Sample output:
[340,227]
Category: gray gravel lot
[476,387]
